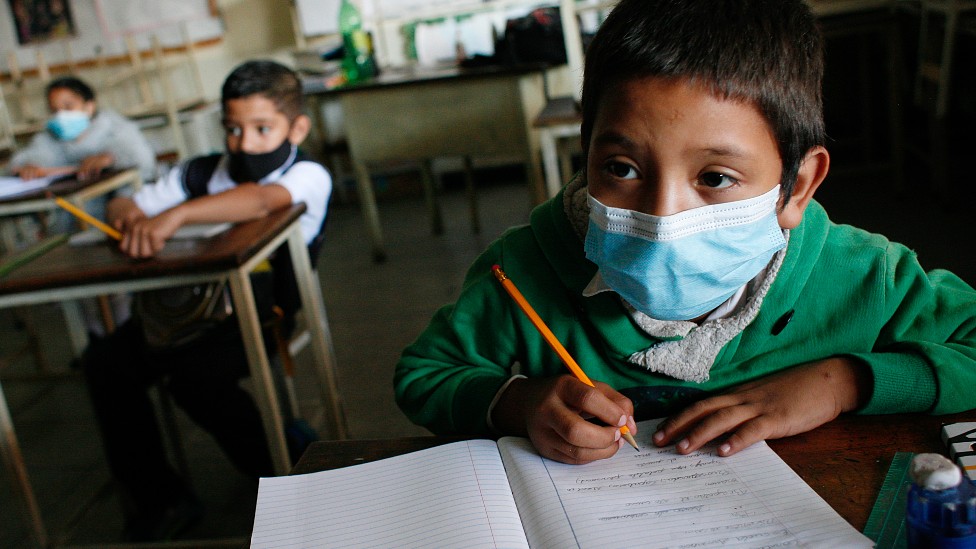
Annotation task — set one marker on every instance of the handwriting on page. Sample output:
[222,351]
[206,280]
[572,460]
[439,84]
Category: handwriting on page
[658,498]
[662,499]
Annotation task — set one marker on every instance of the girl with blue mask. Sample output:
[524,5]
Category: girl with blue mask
[83,139]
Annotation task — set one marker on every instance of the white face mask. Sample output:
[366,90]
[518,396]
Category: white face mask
[681,266]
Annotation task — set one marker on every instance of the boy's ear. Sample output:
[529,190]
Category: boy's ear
[299,129]
[812,172]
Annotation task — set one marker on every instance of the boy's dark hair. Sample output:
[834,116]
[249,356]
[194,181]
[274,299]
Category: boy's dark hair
[269,79]
[765,52]
[73,84]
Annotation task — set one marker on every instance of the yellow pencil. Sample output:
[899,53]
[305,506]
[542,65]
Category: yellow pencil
[551,339]
[84,216]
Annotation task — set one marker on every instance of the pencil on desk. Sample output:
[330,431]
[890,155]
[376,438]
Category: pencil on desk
[87,218]
[551,339]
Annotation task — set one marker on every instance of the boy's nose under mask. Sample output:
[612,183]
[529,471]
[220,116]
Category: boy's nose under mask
[681,266]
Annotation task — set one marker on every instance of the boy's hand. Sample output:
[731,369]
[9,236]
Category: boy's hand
[786,403]
[551,413]
[147,236]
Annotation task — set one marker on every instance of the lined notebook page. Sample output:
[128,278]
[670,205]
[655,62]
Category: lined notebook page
[658,498]
[454,495]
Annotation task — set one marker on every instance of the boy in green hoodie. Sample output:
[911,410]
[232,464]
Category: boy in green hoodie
[688,269]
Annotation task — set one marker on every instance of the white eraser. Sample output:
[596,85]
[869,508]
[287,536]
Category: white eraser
[935,472]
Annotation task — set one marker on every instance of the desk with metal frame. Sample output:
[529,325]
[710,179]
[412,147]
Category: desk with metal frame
[425,113]
[70,272]
[78,193]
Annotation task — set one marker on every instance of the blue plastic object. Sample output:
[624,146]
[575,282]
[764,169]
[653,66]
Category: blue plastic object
[942,519]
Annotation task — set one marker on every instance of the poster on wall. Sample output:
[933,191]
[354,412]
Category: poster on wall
[41,20]
[122,17]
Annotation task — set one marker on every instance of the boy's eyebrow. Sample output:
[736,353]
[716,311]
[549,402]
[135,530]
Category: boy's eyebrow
[613,138]
[729,151]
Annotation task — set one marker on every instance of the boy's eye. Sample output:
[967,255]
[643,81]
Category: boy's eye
[621,170]
[264,130]
[234,131]
[716,180]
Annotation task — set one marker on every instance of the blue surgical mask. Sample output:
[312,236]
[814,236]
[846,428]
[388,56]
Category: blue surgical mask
[68,125]
[681,266]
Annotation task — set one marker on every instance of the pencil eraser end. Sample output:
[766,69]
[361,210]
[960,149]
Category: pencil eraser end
[495,267]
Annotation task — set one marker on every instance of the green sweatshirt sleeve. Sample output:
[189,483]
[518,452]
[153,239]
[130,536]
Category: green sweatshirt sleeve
[446,379]
[925,357]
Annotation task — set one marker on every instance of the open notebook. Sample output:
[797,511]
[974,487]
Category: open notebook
[13,186]
[481,494]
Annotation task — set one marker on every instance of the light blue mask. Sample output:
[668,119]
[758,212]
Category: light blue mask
[68,125]
[681,266]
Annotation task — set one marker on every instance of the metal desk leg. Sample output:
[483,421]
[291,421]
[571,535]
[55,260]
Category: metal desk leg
[371,215]
[318,326]
[550,160]
[14,460]
[430,196]
[257,359]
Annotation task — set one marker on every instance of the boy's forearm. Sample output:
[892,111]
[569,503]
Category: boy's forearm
[242,203]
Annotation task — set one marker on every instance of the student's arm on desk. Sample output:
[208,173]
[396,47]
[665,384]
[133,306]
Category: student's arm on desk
[786,403]
[32,171]
[144,236]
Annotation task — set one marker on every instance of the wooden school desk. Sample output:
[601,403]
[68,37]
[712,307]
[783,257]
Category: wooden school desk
[424,113]
[71,189]
[78,193]
[844,461]
[70,272]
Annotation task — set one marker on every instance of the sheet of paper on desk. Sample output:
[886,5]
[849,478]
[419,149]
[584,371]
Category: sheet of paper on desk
[472,494]
[187,232]
[12,186]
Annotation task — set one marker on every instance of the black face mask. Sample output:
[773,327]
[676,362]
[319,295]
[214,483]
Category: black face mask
[244,167]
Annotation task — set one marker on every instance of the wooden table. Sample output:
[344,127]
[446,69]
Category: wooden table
[423,113]
[78,193]
[71,189]
[70,272]
[844,461]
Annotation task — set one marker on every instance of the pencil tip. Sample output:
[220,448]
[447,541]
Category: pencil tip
[630,440]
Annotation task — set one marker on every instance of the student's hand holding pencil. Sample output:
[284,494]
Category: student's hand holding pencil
[552,412]
[143,236]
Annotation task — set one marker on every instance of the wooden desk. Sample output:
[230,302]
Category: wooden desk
[844,461]
[417,115]
[76,192]
[71,272]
